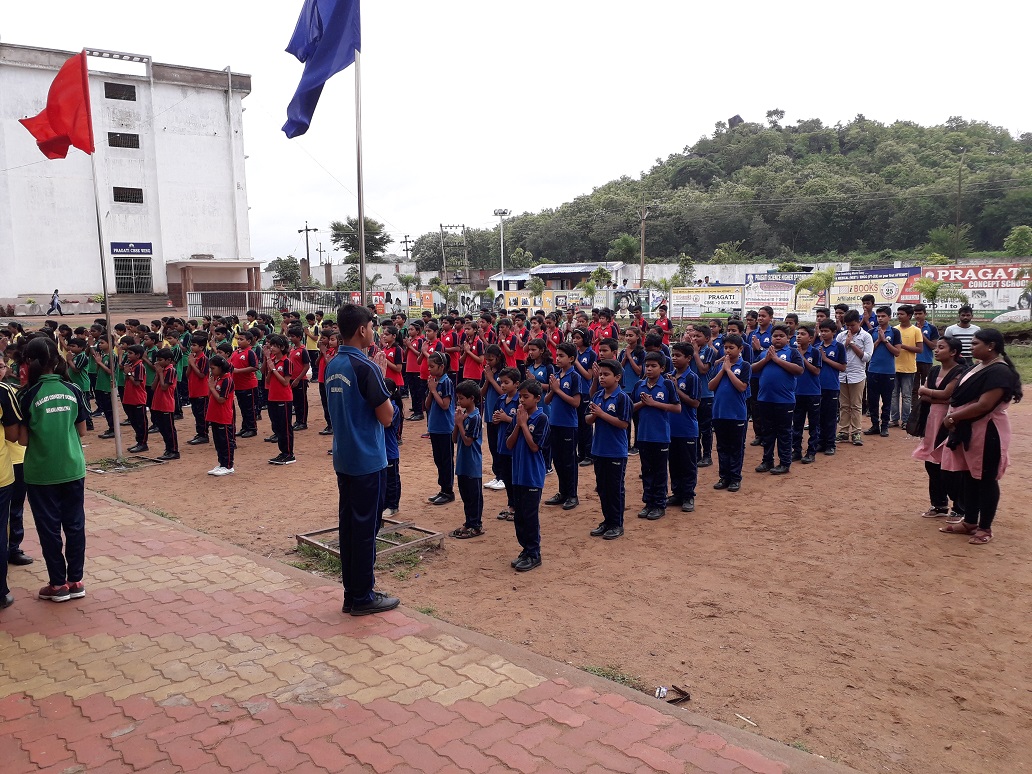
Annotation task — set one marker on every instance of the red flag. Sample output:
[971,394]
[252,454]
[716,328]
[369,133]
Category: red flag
[66,119]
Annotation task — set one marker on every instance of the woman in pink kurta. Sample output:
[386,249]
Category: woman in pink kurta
[935,398]
[979,433]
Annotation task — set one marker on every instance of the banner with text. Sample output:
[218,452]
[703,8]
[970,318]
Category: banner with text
[700,302]
[777,290]
[992,289]
[890,287]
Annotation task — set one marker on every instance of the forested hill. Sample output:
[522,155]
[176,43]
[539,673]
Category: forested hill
[786,191]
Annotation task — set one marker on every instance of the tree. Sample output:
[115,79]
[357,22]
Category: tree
[1018,243]
[774,117]
[935,292]
[408,281]
[286,270]
[789,267]
[601,276]
[949,240]
[624,248]
[520,259]
[587,287]
[818,282]
[344,237]
[535,286]
[352,280]
[663,285]
[731,252]
[685,270]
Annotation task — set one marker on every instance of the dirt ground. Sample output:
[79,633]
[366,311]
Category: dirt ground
[819,605]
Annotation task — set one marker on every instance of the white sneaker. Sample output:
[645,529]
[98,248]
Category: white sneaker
[390,513]
[215,471]
[223,471]
[491,484]
[499,484]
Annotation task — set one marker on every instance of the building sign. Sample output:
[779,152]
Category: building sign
[132,248]
[890,287]
[698,302]
[992,289]
[777,290]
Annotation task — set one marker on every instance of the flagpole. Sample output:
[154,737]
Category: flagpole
[112,350]
[361,186]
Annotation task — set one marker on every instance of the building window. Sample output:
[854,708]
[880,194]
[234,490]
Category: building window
[123,140]
[120,91]
[128,195]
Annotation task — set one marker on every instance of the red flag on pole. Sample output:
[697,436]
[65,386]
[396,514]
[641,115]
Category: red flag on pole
[66,119]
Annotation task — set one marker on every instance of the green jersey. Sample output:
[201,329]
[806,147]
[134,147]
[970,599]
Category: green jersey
[50,409]
[103,377]
[79,374]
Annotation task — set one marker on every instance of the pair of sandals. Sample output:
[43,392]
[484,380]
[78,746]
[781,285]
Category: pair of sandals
[465,533]
[979,537]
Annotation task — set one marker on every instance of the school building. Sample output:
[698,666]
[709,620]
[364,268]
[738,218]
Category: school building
[170,180]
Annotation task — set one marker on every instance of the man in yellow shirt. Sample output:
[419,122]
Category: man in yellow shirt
[911,342]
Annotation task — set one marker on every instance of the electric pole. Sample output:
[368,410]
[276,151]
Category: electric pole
[960,180]
[644,217]
[306,264]
[405,243]
[327,267]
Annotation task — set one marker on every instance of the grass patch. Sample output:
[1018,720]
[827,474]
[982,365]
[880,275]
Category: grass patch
[1022,357]
[401,564]
[800,746]
[427,610]
[314,560]
[616,675]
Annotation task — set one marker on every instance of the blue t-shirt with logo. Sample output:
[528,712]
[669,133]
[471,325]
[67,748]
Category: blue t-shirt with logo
[509,406]
[609,441]
[541,374]
[654,423]
[765,341]
[728,401]
[528,467]
[469,460]
[586,359]
[354,389]
[708,356]
[925,355]
[686,423]
[883,361]
[776,384]
[562,414]
[442,420]
[390,436]
[835,351]
[492,397]
[630,378]
[808,383]
[717,342]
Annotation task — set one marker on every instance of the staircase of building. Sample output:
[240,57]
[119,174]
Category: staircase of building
[138,302]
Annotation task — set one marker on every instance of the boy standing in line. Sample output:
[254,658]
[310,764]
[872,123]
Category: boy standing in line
[300,367]
[730,387]
[563,399]
[135,396]
[656,399]
[911,342]
[684,430]
[808,398]
[929,335]
[778,368]
[833,363]
[197,387]
[881,373]
[163,407]
[859,347]
[609,414]
[702,365]
[526,437]
[245,383]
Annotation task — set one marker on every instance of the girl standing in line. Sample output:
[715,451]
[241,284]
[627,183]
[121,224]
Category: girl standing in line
[935,400]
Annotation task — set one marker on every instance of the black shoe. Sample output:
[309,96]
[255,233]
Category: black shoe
[585,463]
[644,512]
[527,563]
[755,442]
[348,604]
[19,558]
[414,418]
[178,415]
[151,429]
[808,459]
[169,456]
[97,414]
[556,499]
[248,434]
[780,470]
[326,431]
[599,531]
[764,467]
[7,600]
[571,503]
[721,484]
[796,456]
[381,604]
[613,534]
[656,513]
[518,559]
[893,423]
[674,502]
[274,438]
[884,432]
[107,434]
[857,440]
[283,459]
[829,452]
[872,431]
[734,486]
[441,499]
[125,423]
[689,505]
[197,440]
[705,462]
[140,447]
[633,451]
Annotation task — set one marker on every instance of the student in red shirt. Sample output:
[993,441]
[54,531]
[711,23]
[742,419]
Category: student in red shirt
[277,368]
[607,329]
[452,345]
[163,404]
[245,383]
[663,323]
[508,342]
[327,351]
[473,348]
[413,354]
[487,331]
[522,337]
[134,398]
[221,422]
[553,336]
[639,319]
[300,367]
[197,386]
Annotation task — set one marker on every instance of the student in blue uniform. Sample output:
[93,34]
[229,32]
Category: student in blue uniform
[775,404]
[503,416]
[655,399]
[391,435]
[440,402]
[808,398]
[730,385]
[469,460]
[881,372]
[585,365]
[525,438]
[757,342]
[563,399]
[717,337]
[702,365]
[833,363]
[609,414]
[632,359]
[684,430]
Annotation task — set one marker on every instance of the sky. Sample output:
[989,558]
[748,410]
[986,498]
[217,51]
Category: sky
[468,106]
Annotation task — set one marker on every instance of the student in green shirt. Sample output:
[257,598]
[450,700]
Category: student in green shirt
[53,420]
[151,345]
[78,371]
[102,389]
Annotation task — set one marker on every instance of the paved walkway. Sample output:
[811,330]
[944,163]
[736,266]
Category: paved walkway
[189,654]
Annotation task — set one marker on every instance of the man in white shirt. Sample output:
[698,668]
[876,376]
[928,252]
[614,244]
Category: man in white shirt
[964,331]
[859,347]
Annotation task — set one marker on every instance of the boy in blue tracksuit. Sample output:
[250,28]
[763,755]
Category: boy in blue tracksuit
[808,397]
[632,358]
[778,367]
[684,430]
[730,385]
[881,372]
[469,460]
[525,438]
[702,365]
[563,398]
[440,403]
[609,414]
[655,399]
[833,362]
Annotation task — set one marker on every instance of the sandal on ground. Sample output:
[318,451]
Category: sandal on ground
[935,513]
[464,533]
[506,515]
[981,537]
[954,518]
[961,528]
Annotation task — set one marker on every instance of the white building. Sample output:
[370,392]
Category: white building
[170,175]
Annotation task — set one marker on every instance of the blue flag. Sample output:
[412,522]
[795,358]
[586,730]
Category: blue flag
[327,35]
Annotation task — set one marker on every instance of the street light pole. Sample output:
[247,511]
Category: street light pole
[306,267]
[501,244]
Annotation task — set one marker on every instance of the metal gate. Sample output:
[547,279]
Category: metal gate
[133,275]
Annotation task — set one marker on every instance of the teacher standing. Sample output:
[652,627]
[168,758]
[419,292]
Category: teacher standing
[360,409]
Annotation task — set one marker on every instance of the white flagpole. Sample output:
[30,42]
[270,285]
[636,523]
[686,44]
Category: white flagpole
[112,349]
[361,187]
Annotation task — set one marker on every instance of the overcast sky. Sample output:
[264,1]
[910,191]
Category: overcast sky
[472,105]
